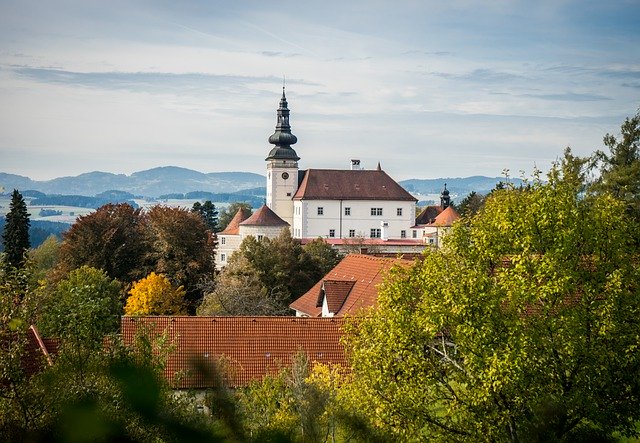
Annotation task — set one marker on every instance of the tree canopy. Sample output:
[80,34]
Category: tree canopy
[155,295]
[524,326]
[208,212]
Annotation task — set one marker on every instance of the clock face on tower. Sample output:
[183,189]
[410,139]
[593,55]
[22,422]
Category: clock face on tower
[285,175]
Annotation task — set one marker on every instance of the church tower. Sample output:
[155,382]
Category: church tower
[282,166]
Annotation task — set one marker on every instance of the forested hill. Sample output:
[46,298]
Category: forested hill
[149,183]
[168,180]
[460,186]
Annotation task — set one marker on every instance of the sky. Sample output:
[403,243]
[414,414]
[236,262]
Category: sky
[429,88]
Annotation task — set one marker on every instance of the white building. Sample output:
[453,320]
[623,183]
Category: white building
[340,205]
[333,203]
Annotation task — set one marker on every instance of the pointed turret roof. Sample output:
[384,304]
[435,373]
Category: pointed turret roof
[264,217]
[446,217]
[282,138]
[233,228]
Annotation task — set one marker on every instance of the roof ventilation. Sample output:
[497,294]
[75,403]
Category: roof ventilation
[355,165]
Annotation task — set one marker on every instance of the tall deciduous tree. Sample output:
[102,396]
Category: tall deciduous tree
[208,212]
[112,239]
[323,254]
[182,248]
[524,326]
[15,237]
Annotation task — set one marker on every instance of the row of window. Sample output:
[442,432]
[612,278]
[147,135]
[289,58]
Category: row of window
[376,212]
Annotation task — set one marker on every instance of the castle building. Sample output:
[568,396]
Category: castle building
[343,206]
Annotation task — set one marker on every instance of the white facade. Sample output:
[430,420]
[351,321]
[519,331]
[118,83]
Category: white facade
[352,218]
[282,183]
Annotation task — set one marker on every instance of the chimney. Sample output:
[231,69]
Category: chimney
[355,165]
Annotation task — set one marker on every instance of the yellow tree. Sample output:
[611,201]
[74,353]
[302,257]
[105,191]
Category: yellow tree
[155,295]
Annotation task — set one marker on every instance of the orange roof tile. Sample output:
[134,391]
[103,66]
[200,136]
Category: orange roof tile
[264,217]
[233,228]
[366,271]
[251,346]
[341,184]
[336,293]
[446,217]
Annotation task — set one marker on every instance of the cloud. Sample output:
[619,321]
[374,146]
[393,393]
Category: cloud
[483,75]
[570,97]
[153,82]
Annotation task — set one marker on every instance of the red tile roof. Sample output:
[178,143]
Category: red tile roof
[251,346]
[339,184]
[446,217]
[365,271]
[233,228]
[336,293]
[264,217]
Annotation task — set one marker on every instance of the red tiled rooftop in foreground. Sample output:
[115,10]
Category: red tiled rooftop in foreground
[251,346]
[365,271]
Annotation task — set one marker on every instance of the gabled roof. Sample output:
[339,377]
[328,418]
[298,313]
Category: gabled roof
[335,292]
[264,217]
[446,217]
[339,184]
[428,215]
[250,347]
[233,228]
[364,271]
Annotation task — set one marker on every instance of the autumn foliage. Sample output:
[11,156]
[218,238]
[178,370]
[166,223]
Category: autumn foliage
[155,295]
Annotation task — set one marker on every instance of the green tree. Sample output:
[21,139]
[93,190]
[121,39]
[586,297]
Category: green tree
[470,205]
[281,264]
[82,308]
[620,167]
[524,326]
[112,239]
[323,254]
[226,214]
[44,258]
[208,212]
[15,236]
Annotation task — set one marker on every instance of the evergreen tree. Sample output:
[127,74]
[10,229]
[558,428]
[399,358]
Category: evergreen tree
[16,231]
[208,212]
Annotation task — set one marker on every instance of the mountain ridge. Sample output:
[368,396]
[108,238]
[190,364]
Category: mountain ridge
[163,180]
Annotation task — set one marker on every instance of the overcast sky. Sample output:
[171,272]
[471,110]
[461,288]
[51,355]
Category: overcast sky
[427,88]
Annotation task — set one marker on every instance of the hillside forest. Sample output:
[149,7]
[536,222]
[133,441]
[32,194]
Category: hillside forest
[524,326]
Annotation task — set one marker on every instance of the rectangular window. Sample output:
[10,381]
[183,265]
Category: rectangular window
[332,232]
[403,234]
[375,232]
[223,240]
[399,212]
[376,211]
[260,237]
[320,210]
[352,232]
[223,257]
[347,211]
[414,234]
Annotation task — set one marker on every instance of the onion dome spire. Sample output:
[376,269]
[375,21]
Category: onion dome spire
[282,138]
[445,199]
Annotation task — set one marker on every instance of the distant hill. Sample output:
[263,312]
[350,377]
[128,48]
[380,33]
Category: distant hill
[170,180]
[460,186]
[149,183]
